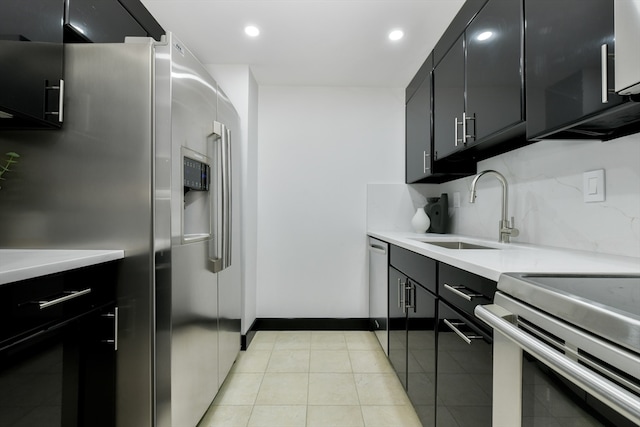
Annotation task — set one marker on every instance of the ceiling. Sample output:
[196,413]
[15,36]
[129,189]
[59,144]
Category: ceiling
[311,42]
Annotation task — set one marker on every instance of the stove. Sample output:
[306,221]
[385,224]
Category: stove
[586,328]
[605,305]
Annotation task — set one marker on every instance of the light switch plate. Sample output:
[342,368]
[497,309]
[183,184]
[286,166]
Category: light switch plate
[593,186]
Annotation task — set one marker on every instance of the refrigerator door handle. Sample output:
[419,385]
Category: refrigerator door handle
[226,198]
[220,252]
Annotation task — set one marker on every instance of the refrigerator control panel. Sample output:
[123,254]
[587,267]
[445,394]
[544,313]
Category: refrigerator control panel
[196,175]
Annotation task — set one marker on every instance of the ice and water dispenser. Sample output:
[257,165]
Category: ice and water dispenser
[197,206]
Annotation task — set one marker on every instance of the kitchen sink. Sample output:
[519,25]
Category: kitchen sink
[454,244]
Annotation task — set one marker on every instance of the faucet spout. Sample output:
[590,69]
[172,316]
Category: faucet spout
[506,228]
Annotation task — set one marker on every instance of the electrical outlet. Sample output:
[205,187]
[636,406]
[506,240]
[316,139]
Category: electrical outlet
[593,186]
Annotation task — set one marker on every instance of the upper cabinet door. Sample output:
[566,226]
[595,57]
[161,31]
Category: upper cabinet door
[448,109]
[564,61]
[32,64]
[418,133]
[101,21]
[494,86]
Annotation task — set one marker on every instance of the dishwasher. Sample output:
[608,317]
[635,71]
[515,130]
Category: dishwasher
[378,283]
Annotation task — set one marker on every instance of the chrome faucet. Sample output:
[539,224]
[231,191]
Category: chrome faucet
[507,229]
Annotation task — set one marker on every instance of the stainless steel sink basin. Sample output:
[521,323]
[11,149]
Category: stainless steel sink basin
[459,245]
[455,244]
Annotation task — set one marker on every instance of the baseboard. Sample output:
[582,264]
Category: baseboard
[304,324]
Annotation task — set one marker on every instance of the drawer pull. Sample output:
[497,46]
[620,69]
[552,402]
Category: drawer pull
[467,338]
[68,295]
[458,290]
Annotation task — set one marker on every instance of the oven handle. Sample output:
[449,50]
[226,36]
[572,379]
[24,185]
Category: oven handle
[611,394]
[68,295]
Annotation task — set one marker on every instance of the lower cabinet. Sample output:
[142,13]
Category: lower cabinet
[464,371]
[412,340]
[442,354]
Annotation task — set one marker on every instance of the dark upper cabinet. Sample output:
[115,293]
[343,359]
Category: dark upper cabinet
[101,21]
[108,21]
[448,93]
[566,94]
[32,57]
[478,86]
[494,85]
[418,125]
[420,165]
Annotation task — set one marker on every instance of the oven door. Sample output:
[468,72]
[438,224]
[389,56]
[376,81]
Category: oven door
[61,375]
[550,373]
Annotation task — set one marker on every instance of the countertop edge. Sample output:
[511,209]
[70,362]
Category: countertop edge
[23,264]
[514,258]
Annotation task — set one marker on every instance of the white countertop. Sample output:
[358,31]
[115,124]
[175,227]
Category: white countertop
[21,264]
[512,257]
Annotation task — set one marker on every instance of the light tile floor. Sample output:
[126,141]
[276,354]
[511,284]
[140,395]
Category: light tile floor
[312,379]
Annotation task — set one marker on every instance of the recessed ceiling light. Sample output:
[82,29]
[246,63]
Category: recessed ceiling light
[252,31]
[484,36]
[396,35]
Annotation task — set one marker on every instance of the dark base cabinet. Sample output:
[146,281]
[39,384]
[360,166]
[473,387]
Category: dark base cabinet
[412,339]
[58,362]
[465,369]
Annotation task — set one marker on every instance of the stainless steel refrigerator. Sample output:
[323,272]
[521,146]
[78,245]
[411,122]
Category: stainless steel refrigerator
[143,163]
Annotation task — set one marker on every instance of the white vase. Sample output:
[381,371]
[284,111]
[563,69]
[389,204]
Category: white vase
[420,221]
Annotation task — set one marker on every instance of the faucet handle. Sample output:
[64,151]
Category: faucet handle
[514,232]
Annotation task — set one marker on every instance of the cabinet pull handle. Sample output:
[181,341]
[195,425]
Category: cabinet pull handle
[603,62]
[425,169]
[68,295]
[113,316]
[400,294]
[60,112]
[455,131]
[465,118]
[457,290]
[466,338]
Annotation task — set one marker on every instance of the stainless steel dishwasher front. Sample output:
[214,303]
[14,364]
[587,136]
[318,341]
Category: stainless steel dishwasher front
[378,290]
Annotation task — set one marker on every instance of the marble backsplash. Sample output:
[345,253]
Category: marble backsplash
[545,197]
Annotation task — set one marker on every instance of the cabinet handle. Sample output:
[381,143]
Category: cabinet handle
[424,162]
[466,338]
[457,290]
[114,316]
[410,290]
[60,112]
[604,55]
[400,294]
[68,295]
[472,117]
[455,131]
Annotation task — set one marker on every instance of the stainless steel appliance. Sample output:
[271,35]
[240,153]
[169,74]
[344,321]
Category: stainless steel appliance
[114,178]
[581,341]
[378,284]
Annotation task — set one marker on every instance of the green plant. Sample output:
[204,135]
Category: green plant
[11,159]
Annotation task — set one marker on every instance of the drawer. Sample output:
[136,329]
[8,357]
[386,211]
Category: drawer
[417,267]
[463,289]
[37,304]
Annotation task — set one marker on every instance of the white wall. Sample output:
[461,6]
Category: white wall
[240,86]
[546,196]
[318,148]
